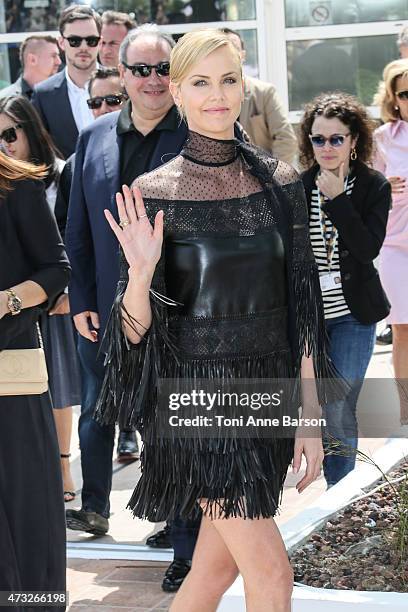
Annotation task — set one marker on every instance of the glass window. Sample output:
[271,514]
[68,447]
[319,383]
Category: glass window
[32,15]
[5,64]
[353,65]
[10,67]
[42,15]
[200,11]
[327,12]
[250,39]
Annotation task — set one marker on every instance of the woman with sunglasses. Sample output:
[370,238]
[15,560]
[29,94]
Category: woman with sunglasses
[348,206]
[391,140]
[23,137]
[34,270]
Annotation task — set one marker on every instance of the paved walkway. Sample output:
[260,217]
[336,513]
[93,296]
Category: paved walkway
[123,583]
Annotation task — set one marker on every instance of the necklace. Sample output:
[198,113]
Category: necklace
[329,241]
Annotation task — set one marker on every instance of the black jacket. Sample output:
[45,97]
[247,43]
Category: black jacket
[62,200]
[361,222]
[51,100]
[30,249]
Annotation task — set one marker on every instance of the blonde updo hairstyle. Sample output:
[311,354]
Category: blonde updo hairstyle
[385,97]
[192,48]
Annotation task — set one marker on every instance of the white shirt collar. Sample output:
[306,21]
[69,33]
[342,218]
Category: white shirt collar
[73,86]
[77,98]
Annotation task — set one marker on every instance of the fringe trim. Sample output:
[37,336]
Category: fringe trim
[129,368]
[247,483]
[234,476]
[310,324]
[311,333]
[275,365]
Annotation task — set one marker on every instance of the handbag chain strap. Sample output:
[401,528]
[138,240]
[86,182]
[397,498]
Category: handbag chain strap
[40,339]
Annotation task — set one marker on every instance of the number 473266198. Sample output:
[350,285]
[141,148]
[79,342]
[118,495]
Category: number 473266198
[33,598]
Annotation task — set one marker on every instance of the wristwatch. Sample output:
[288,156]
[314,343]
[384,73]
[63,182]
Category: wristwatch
[14,303]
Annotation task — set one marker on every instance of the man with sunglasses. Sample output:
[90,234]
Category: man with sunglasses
[106,93]
[62,99]
[113,151]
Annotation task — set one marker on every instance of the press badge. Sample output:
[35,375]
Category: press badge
[330,280]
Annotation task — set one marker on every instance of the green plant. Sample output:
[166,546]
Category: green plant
[402,527]
[399,536]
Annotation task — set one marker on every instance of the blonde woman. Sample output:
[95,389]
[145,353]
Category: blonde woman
[218,283]
[391,140]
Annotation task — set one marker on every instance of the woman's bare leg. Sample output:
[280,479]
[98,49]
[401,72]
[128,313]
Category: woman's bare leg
[400,360]
[225,546]
[259,552]
[213,570]
[63,423]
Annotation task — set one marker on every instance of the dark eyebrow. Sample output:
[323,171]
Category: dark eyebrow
[203,76]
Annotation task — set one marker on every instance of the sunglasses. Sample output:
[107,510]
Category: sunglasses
[10,135]
[111,100]
[335,140]
[144,70]
[75,41]
[402,95]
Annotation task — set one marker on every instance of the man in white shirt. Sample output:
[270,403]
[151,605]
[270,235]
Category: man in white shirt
[62,99]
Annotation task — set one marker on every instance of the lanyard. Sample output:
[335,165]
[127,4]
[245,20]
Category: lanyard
[330,242]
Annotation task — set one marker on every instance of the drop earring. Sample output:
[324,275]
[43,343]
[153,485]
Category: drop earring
[353,155]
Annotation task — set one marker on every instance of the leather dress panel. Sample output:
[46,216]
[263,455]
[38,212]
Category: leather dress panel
[223,276]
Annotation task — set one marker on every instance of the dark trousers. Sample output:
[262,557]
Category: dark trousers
[184,536]
[96,441]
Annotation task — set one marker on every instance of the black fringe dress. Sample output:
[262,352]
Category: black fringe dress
[235,295]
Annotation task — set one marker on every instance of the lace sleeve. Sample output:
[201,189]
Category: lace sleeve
[285,174]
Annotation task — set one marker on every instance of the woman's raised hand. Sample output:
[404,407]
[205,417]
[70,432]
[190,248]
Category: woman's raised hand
[141,243]
[329,184]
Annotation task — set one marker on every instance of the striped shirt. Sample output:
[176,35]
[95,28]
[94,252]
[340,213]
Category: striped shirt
[333,299]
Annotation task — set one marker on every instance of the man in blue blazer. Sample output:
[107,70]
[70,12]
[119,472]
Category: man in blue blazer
[113,151]
[92,246]
[61,99]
